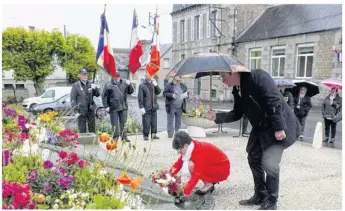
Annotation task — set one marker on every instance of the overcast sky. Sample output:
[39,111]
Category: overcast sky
[85,20]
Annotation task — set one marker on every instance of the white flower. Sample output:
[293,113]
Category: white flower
[55,206]
[103,172]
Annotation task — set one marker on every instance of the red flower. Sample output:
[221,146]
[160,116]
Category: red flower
[173,187]
[23,136]
[32,206]
[62,154]
[72,158]
[124,179]
[82,163]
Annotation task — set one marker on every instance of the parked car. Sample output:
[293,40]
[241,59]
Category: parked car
[63,106]
[49,95]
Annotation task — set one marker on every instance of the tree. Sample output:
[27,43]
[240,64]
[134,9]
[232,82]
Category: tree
[79,53]
[31,54]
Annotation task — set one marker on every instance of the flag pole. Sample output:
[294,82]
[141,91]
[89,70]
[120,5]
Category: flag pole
[130,46]
[94,73]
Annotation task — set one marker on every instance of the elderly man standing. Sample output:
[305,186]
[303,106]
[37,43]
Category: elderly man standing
[114,99]
[275,128]
[82,94]
[175,94]
[302,107]
[147,99]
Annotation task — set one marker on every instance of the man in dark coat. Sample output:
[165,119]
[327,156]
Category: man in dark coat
[274,129]
[114,99]
[175,94]
[147,99]
[288,97]
[82,94]
[330,108]
[302,108]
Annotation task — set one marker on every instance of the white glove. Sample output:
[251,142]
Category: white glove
[107,110]
[77,115]
[94,86]
[128,82]
[142,110]
[184,95]
[154,82]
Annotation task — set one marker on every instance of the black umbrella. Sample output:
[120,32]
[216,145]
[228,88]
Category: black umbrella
[205,64]
[312,88]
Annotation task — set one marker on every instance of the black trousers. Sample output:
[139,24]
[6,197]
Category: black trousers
[88,117]
[302,122]
[329,124]
[262,162]
[244,124]
[118,120]
[149,122]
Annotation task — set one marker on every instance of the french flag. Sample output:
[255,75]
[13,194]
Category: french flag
[339,55]
[136,50]
[105,55]
[152,68]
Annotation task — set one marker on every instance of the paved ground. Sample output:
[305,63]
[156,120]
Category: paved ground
[314,117]
[310,178]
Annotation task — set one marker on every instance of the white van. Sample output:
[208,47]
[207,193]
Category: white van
[49,95]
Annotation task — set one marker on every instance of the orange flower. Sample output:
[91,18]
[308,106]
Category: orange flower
[124,179]
[104,137]
[136,182]
[52,114]
[111,145]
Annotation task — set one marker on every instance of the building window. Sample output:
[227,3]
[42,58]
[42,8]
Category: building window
[196,27]
[255,59]
[278,62]
[20,86]
[214,93]
[8,86]
[305,56]
[213,27]
[183,56]
[182,25]
[166,63]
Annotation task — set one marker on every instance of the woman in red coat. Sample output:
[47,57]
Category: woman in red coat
[199,161]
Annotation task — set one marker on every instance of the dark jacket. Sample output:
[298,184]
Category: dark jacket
[81,98]
[289,99]
[329,111]
[168,94]
[114,95]
[267,111]
[147,96]
[305,106]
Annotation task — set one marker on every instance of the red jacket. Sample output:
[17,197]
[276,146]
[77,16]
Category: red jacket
[210,165]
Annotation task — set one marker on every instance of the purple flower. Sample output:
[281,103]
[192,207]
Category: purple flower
[65,181]
[47,188]
[32,179]
[6,157]
[62,170]
[10,112]
[48,164]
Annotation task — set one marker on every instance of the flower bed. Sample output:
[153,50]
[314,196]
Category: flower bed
[34,181]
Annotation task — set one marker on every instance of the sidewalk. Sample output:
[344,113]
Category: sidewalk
[310,178]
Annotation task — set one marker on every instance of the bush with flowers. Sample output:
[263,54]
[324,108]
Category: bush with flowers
[34,181]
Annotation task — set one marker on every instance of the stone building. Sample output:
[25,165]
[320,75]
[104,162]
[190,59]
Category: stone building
[275,38]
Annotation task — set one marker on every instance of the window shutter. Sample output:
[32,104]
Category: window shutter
[178,31]
[189,29]
[218,22]
[185,31]
[174,32]
[192,27]
[208,31]
[200,26]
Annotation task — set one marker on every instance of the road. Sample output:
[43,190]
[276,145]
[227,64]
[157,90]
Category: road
[312,119]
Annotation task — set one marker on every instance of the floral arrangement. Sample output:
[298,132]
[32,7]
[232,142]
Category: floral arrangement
[34,181]
[199,110]
[170,184]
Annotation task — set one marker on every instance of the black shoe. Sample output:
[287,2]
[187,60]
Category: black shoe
[146,138]
[155,137]
[332,140]
[326,140]
[210,190]
[254,200]
[268,205]
[170,136]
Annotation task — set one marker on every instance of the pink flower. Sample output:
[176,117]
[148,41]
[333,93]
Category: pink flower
[81,163]
[72,158]
[62,154]
[32,206]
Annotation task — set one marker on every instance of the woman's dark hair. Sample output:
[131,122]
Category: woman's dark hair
[180,139]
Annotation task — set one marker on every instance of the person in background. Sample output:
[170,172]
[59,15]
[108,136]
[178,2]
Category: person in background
[82,94]
[147,99]
[330,107]
[195,166]
[114,98]
[288,97]
[302,107]
[175,94]
[275,128]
